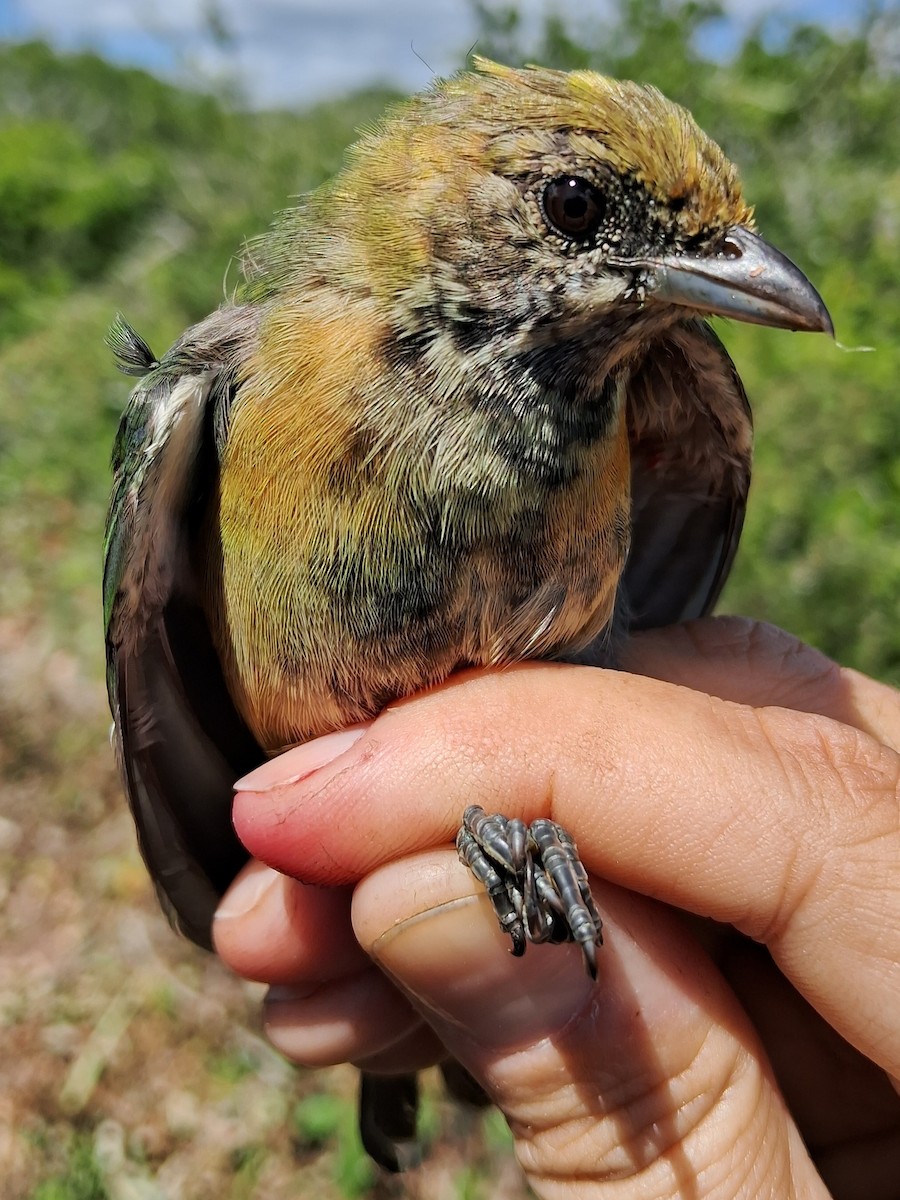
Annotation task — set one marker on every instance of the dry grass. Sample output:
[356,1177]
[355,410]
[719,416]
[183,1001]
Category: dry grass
[131,1067]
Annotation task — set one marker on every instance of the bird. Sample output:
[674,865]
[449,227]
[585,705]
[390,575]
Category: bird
[465,409]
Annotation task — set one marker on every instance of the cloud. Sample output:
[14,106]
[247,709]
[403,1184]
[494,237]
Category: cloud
[284,51]
[295,51]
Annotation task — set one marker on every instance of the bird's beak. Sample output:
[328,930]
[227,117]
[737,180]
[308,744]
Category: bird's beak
[748,280]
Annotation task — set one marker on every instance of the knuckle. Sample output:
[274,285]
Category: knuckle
[830,767]
[802,676]
[844,819]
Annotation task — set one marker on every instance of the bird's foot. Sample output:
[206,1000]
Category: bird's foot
[535,881]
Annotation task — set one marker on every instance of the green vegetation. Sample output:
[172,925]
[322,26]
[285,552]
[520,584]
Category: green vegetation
[117,191]
[321,1120]
[120,191]
[82,1178]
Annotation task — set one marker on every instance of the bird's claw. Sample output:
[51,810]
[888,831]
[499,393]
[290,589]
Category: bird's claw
[534,879]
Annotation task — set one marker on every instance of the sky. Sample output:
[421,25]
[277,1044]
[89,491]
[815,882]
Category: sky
[290,52]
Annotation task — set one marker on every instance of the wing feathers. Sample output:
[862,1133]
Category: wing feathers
[180,742]
[691,444]
[179,783]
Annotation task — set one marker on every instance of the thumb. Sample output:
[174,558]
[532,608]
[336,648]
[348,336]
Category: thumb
[652,1074]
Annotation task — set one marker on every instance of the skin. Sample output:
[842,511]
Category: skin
[729,772]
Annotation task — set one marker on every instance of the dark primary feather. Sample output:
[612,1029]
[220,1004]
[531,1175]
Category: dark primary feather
[691,434]
[179,740]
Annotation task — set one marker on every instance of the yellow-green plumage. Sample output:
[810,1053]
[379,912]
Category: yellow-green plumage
[360,267]
[304,505]
[465,412]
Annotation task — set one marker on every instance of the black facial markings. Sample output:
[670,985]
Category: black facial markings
[625,219]
[541,430]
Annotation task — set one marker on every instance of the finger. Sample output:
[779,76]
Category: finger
[360,1017]
[419,1049]
[276,930]
[650,1081]
[751,662]
[328,1005]
[843,1105]
[780,823]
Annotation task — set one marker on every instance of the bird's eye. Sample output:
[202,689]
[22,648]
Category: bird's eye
[572,207]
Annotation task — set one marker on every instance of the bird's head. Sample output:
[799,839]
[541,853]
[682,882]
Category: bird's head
[509,207]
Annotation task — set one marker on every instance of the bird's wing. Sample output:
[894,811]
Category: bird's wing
[179,741]
[691,442]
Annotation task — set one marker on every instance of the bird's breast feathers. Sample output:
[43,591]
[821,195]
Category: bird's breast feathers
[372,533]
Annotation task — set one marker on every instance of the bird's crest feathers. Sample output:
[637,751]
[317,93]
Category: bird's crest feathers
[430,151]
[643,133]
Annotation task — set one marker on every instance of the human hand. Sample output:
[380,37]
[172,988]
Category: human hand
[752,782]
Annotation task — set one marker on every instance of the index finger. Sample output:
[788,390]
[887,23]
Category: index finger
[781,823]
[752,662]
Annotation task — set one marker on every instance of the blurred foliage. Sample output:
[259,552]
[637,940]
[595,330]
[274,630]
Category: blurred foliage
[117,191]
[322,1119]
[82,1178]
[120,191]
